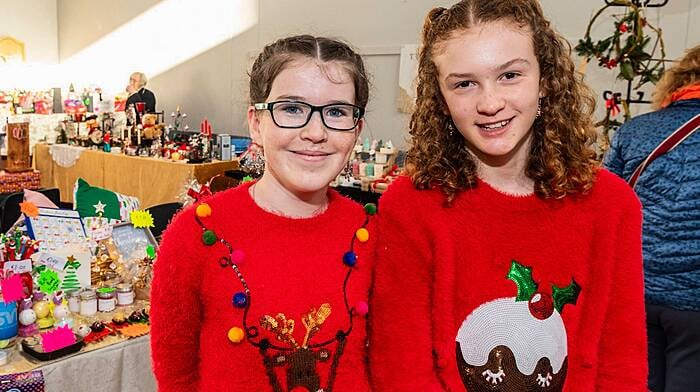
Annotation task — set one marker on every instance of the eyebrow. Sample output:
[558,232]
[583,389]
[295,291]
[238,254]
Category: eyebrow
[499,68]
[302,99]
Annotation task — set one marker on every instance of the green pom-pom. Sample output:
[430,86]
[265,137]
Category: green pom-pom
[209,238]
[151,251]
[370,208]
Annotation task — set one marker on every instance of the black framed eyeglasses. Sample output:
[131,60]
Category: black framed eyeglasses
[296,114]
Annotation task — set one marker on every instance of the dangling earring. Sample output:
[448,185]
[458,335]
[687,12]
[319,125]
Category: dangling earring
[450,125]
[252,160]
[539,108]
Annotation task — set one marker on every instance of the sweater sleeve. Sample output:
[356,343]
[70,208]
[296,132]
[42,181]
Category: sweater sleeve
[622,352]
[175,309]
[401,354]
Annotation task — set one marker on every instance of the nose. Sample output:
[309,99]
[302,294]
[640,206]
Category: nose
[315,131]
[490,102]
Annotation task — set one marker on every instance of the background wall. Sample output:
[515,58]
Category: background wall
[35,24]
[212,82]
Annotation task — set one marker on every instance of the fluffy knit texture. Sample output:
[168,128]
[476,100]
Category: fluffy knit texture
[291,266]
[436,265]
[669,189]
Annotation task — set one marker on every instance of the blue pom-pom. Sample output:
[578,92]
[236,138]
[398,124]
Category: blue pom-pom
[350,258]
[240,300]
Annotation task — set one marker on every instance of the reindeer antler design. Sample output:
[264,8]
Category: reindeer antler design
[281,327]
[313,320]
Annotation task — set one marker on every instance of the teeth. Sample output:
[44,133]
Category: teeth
[496,125]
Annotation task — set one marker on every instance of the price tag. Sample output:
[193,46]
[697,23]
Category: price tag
[52,261]
[18,266]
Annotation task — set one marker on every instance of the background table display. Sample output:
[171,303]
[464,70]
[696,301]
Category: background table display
[153,181]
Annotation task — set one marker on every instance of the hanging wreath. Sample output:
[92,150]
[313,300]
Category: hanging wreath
[628,51]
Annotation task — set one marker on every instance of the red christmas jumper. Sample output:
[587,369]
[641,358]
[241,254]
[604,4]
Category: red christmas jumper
[441,292]
[291,266]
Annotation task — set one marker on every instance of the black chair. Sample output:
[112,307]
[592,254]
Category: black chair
[10,209]
[162,214]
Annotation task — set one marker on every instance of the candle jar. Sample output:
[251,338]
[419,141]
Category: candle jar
[73,298]
[106,301]
[88,302]
[125,294]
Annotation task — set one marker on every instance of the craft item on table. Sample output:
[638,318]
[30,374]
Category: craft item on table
[27,319]
[52,345]
[106,265]
[56,229]
[131,242]
[70,281]
[144,275]
[252,161]
[135,330]
[8,323]
[24,382]
[95,201]
[42,308]
[83,330]
[99,332]
[60,311]
[70,264]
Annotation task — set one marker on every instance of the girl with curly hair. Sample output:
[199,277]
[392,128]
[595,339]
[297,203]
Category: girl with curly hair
[519,265]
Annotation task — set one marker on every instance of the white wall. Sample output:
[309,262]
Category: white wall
[213,83]
[33,22]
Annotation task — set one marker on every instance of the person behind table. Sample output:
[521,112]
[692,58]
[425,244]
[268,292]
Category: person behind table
[669,190]
[507,259]
[139,93]
[286,312]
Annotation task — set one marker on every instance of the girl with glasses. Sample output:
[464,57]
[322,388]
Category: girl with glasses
[519,267]
[264,287]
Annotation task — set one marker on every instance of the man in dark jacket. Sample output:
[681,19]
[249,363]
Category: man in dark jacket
[138,93]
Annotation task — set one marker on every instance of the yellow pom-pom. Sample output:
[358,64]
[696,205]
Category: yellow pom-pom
[362,234]
[235,335]
[203,210]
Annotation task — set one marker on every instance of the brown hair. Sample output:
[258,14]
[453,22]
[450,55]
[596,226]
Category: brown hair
[276,56]
[685,73]
[561,160]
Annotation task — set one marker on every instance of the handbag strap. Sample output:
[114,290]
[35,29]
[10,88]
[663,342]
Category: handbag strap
[665,146]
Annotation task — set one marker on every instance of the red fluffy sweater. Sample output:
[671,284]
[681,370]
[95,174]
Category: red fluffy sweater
[291,266]
[508,293]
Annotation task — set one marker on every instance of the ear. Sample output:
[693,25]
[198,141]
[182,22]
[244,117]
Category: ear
[358,129]
[254,125]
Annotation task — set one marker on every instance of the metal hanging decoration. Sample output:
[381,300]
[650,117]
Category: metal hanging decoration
[635,50]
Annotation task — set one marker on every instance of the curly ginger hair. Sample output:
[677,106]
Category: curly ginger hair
[561,160]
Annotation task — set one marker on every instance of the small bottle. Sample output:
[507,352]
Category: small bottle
[125,294]
[73,298]
[106,301]
[88,302]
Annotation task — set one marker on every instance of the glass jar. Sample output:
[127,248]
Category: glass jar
[88,302]
[73,298]
[125,294]
[106,301]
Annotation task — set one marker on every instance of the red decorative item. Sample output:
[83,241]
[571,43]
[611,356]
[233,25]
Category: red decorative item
[623,28]
[541,306]
[611,105]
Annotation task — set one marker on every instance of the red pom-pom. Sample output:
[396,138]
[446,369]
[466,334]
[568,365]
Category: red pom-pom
[362,308]
[237,257]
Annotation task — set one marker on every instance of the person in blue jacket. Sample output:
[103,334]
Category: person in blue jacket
[669,189]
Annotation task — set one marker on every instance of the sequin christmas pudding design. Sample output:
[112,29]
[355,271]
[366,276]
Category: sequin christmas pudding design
[516,343]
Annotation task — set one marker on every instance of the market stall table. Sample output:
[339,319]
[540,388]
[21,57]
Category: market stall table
[153,181]
[114,364]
